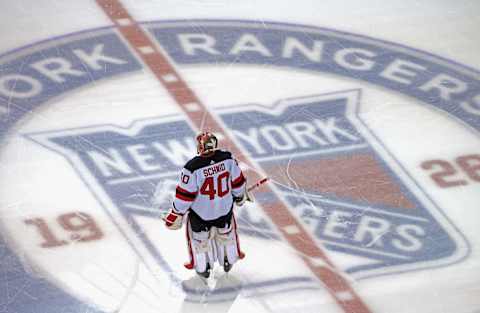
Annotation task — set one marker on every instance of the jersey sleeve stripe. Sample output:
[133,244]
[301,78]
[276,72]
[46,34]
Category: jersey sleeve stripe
[182,197]
[237,183]
[185,195]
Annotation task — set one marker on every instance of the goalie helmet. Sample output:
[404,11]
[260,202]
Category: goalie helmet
[206,143]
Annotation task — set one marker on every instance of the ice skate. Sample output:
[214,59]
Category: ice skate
[226,265]
[206,274]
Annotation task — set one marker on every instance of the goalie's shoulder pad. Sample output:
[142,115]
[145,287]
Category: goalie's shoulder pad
[202,161]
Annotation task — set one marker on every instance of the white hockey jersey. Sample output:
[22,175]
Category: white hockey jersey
[208,184]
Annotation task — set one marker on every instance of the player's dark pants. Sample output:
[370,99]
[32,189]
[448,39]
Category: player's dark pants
[199,225]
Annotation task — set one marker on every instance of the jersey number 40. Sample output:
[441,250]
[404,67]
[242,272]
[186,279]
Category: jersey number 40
[223,188]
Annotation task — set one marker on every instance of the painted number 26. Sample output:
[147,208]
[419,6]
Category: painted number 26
[462,171]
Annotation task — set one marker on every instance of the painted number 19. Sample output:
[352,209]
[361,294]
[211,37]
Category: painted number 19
[462,171]
[77,226]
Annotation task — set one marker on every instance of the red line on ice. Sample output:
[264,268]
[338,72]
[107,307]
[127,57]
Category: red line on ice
[159,64]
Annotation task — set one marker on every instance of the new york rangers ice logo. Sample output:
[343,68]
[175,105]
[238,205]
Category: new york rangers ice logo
[310,147]
[329,168]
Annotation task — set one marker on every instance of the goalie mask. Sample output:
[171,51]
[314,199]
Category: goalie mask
[206,143]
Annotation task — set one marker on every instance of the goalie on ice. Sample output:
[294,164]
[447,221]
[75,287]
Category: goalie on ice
[208,186]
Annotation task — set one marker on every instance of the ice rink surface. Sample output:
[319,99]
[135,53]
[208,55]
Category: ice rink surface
[365,115]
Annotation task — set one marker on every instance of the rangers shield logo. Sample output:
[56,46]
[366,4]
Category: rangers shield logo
[351,131]
[333,171]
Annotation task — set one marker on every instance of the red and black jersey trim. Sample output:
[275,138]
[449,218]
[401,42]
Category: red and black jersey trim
[239,181]
[185,195]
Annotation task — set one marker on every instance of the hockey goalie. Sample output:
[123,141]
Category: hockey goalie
[209,185]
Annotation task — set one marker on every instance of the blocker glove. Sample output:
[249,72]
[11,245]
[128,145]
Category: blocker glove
[246,196]
[173,220]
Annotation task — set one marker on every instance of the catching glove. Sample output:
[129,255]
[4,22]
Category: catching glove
[173,220]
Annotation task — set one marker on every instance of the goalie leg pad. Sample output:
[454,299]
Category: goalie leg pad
[226,241]
[202,251]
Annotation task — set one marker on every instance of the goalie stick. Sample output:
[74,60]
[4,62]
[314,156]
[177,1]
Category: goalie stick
[249,189]
[257,184]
